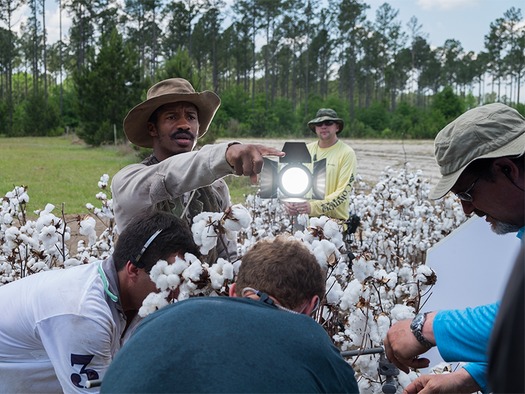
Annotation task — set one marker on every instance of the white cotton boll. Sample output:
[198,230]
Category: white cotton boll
[334,292]
[242,215]
[362,269]
[351,294]
[208,242]
[405,273]
[162,282]
[152,303]
[321,258]
[383,325]
[173,281]
[373,332]
[11,233]
[405,379]
[231,235]
[178,266]
[391,280]
[216,279]
[379,274]
[413,290]
[157,269]
[197,228]
[341,269]
[227,268]
[7,219]
[423,272]
[302,219]
[87,228]
[232,225]
[101,196]
[367,364]
[49,208]
[331,229]
[401,312]
[48,236]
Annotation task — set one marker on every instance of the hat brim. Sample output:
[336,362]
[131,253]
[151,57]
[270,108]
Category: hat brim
[313,122]
[447,182]
[135,122]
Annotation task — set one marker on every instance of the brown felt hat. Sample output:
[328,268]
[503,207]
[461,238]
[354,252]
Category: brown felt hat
[166,92]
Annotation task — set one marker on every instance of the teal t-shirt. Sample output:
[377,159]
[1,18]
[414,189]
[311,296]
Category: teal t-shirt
[222,344]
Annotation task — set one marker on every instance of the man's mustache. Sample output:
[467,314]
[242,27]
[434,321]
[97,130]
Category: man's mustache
[182,134]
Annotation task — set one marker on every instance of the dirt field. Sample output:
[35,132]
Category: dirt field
[373,156]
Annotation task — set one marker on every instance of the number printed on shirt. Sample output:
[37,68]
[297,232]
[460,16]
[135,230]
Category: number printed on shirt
[84,360]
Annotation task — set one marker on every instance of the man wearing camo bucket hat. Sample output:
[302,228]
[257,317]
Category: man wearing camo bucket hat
[341,164]
[481,158]
[175,178]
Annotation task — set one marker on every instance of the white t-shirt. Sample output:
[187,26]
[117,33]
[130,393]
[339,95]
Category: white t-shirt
[59,329]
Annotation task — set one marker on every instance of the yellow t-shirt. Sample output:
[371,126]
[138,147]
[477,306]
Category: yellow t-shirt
[341,166]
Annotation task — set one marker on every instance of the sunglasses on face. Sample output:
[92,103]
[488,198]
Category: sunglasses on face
[325,123]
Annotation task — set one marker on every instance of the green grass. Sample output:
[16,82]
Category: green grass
[63,170]
[58,170]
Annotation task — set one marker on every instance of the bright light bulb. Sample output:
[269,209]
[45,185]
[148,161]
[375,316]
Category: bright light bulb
[295,180]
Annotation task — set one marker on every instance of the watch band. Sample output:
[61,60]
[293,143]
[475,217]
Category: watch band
[417,329]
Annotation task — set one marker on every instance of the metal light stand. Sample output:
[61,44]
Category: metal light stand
[385,367]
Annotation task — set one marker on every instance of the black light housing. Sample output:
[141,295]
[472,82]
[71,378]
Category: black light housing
[289,179]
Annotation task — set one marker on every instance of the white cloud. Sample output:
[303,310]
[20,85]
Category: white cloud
[445,4]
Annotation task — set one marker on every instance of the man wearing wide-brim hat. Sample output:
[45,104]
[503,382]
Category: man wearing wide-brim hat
[341,165]
[175,178]
[481,159]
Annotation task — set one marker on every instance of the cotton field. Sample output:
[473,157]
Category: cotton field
[376,274]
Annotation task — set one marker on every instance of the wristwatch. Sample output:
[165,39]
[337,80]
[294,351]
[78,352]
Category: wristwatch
[417,329]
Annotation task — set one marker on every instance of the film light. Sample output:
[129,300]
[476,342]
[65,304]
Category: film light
[290,179]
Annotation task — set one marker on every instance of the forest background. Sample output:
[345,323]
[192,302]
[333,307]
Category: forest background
[272,62]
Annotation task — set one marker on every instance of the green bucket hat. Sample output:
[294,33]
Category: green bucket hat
[489,131]
[326,114]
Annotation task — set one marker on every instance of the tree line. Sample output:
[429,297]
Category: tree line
[272,62]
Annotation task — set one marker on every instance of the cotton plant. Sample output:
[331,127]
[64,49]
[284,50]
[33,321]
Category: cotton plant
[189,276]
[29,246]
[184,278]
[208,227]
[388,280]
[374,278]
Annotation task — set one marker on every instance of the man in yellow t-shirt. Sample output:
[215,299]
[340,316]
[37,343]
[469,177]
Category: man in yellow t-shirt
[341,164]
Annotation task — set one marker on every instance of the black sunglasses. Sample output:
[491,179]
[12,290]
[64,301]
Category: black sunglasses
[326,123]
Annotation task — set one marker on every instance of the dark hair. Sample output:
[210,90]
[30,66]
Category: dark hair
[174,237]
[283,268]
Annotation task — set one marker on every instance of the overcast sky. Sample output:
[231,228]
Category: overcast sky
[467,21]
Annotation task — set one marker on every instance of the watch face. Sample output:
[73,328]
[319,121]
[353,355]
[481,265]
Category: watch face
[417,322]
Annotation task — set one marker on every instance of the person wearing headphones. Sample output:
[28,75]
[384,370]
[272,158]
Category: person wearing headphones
[261,339]
[61,328]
